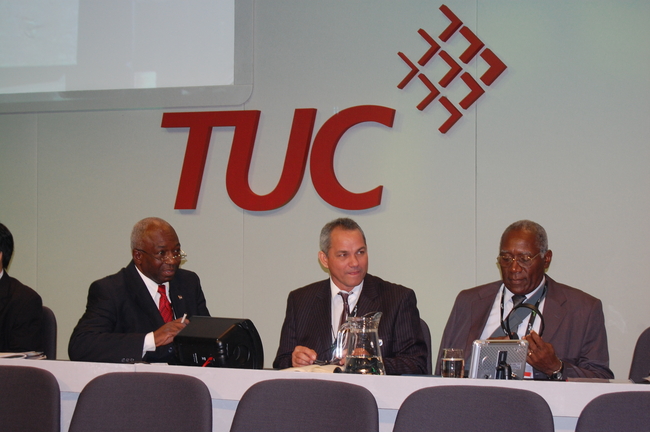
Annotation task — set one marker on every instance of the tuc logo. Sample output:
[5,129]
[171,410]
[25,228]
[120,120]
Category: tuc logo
[324,145]
[245,124]
[496,68]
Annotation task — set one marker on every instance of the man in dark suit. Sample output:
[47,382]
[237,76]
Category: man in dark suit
[314,311]
[128,315]
[574,342]
[21,307]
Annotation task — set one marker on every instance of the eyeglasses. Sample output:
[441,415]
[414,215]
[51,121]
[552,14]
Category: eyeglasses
[522,260]
[163,256]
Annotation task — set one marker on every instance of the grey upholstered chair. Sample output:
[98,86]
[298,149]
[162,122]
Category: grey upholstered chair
[30,400]
[49,333]
[614,412]
[473,409]
[143,402]
[297,405]
[640,367]
[426,333]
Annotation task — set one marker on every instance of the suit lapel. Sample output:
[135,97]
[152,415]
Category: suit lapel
[140,295]
[480,311]
[321,324]
[176,298]
[369,299]
[554,310]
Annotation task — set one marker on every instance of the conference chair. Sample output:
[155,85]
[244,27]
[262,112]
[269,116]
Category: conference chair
[143,402]
[48,321]
[427,339]
[640,367]
[614,412]
[30,400]
[473,409]
[296,405]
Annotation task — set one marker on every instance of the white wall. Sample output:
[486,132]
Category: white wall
[561,138]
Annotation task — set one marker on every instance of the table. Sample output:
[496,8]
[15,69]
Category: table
[566,399]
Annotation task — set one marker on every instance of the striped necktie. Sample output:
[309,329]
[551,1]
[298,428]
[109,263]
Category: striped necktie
[164,306]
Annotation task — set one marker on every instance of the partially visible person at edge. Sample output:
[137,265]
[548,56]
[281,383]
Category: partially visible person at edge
[314,311]
[574,342]
[123,321]
[21,308]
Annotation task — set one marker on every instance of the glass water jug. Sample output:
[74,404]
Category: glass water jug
[358,343]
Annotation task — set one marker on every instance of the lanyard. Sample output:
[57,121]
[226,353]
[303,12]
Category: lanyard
[533,314]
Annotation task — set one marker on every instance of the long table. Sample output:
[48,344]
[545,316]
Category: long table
[566,399]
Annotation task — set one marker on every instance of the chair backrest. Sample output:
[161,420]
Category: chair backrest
[640,367]
[613,412]
[296,405]
[427,339]
[49,333]
[30,400]
[143,402]
[473,409]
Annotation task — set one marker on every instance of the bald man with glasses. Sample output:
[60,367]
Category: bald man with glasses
[134,315]
[570,343]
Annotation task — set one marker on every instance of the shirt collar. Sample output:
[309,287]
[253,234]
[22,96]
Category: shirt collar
[335,290]
[508,294]
[152,286]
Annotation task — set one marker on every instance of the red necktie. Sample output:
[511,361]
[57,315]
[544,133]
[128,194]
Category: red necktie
[164,306]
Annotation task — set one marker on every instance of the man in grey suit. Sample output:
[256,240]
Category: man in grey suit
[314,311]
[135,314]
[574,342]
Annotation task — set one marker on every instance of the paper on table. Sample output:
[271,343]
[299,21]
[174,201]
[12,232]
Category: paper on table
[31,355]
[315,368]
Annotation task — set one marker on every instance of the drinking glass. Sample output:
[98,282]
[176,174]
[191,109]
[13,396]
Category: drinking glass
[452,363]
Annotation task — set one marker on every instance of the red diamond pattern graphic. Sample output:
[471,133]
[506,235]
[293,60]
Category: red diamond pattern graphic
[475,90]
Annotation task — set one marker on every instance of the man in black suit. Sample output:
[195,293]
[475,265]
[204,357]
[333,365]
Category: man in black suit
[21,307]
[128,315]
[314,311]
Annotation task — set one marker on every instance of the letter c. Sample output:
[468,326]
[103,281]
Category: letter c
[322,157]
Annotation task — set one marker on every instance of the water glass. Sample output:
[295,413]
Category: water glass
[452,364]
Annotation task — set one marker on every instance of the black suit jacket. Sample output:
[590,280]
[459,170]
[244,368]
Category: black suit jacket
[120,312]
[308,323]
[21,309]
[574,325]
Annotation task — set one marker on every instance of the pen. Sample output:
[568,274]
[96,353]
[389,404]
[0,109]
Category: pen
[183,319]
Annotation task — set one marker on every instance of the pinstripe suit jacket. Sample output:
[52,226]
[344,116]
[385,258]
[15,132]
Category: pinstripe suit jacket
[575,326]
[308,323]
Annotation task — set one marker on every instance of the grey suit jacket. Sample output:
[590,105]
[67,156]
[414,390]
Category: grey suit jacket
[308,323]
[21,309]
[120,313]
[574,325]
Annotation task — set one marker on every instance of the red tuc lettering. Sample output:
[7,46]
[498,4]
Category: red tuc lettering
[237,185]
[198,141]
[322,157]
[293,171]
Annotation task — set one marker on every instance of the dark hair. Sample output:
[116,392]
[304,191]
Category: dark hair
[343,223]
[6,245]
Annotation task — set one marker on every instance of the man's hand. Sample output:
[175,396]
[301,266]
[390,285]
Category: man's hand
[303,356]
[541,355]
[165,334]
